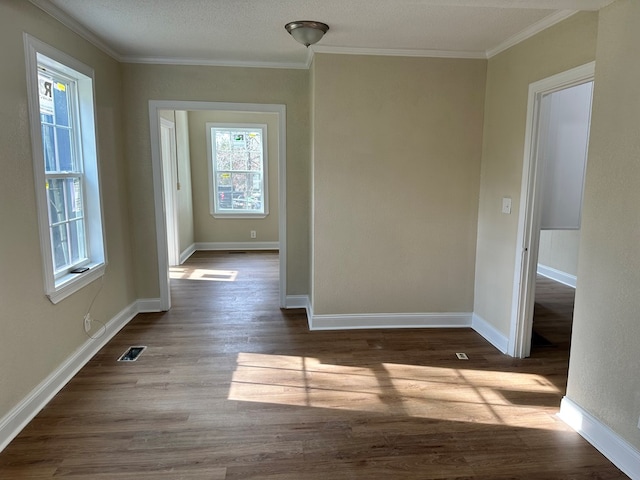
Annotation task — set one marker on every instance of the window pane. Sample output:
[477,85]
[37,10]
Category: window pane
[65,159]
[224,190]
[238,140]
[239,191]
[238,166]
[59,246]
[73,187]
[239,160]
[255,191]
[55,193]
[255,183]
[254,142]
[76,241]
[223,160]
[255,162]
[61,103]
[223,140]
[224,179]
[48,147]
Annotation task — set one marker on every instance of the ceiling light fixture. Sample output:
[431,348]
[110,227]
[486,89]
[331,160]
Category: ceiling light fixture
[307,32]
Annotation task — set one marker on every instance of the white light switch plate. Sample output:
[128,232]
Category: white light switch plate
[506,205]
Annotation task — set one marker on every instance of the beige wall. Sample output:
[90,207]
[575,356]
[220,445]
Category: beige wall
[603,371]
[218,84]
[37,336]
[396,163]
[557,49]
[559,250]
[207,228]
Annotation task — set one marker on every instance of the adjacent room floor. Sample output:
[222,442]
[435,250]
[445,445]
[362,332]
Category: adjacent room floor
[232,387]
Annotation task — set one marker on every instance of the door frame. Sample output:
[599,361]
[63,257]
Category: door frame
[158,191]
[170,177]
[527,240]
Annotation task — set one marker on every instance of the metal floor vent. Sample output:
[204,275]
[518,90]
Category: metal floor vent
[132,354]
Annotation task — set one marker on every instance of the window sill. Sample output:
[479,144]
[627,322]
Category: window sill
[239,215]
[72,282]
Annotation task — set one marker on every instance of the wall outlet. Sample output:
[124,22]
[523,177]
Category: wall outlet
[253,234]
[638,422]
[87,323]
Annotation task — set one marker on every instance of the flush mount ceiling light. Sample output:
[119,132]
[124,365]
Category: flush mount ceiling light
[307,32]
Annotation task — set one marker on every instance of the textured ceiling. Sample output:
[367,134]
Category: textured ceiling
[252,31]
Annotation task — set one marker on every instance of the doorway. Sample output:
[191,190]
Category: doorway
[162,242]
[539,202]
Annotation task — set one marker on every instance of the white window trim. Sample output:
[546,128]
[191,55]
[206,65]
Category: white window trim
[59,288]
[265,170]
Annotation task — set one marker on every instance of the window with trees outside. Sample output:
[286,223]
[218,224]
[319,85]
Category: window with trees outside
[237,170]
[61,101]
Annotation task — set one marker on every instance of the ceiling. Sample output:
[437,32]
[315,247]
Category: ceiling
[251,32]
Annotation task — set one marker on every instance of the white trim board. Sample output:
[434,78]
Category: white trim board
[530,31]
[20,415]
[402,320]
[190,250]
[557,275]
[388,320]
[297,301]
[490,333]
[148,305]
[237,246]
[622,454]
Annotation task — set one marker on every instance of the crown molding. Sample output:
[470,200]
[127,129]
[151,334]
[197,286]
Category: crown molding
[530,31]
[398,52]
[207,62]
[76,27]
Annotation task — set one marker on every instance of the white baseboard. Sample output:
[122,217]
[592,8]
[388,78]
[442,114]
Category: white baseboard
[19,416]
[622,454]
[490,334]
[388,320]
[237,246]
[557,275]
[148,305]
[297,301]
[187,253]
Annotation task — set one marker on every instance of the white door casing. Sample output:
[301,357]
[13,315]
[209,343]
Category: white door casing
[169,184]
[529,218]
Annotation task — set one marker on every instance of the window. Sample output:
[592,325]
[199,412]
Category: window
[237,170]
[61,104]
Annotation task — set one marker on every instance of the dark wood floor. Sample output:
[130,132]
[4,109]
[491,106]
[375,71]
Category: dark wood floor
[553,315]
[231,387]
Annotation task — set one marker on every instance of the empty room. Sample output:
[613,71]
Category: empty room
[292,240]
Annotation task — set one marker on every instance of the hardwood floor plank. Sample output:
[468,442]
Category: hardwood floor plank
[232,387]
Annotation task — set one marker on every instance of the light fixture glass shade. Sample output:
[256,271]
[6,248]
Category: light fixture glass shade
[307,32]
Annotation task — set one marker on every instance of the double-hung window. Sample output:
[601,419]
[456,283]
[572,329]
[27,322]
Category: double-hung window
[237,170]
[61,102]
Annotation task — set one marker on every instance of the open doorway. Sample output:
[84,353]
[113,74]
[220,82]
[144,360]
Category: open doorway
[277,114]
[558,120]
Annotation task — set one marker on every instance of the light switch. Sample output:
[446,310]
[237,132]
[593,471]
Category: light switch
[506,205]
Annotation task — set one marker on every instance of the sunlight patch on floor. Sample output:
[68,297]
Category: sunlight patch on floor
[182,273]
[455,394]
